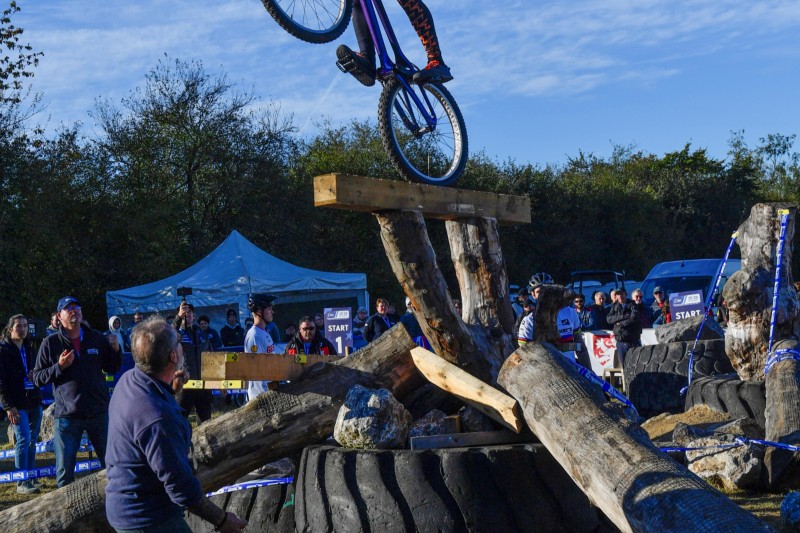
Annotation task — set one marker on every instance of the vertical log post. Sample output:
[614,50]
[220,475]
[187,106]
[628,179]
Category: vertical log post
[748,295]
[481,346]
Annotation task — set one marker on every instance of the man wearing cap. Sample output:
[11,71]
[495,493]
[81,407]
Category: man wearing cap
[232,333]
[73,359]
[194,343]
[659,310]
[258,340]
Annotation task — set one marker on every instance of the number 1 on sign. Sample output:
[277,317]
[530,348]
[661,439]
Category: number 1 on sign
[339,347]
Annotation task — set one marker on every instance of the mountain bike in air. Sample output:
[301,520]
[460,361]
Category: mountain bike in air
[421,126]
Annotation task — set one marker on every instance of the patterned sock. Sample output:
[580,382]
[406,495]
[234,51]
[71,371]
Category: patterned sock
[422,21]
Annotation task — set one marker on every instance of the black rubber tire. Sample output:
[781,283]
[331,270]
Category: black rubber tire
[446,144]
[265,508]
[655,374]
[729,394]
[340,18]
[498,488]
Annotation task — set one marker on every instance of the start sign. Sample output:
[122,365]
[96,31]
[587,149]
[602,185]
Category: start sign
[686,304]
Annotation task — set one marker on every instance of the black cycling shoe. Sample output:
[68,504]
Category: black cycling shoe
[356,64]
[434,72]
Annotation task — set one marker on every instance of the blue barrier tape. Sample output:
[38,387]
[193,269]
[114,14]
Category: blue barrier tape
[776,286]
[46,447]
[739,441]
[46,471]
[607,388]
[252,485]
[707,308]
[780,355]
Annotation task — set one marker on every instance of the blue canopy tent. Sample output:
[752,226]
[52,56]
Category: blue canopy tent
[227,275]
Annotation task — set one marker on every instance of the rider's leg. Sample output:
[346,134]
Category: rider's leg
[363,37]
[362,64]
[422,21]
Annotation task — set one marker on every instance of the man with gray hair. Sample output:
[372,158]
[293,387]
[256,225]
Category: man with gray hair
[150,478]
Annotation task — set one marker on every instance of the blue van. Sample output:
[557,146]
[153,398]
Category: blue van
[687,275]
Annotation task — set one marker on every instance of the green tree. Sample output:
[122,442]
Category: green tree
[187,160]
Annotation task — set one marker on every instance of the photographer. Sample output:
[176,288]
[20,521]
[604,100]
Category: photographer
[194,343]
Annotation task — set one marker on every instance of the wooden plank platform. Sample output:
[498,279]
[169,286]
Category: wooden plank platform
[227,366]
[359,193]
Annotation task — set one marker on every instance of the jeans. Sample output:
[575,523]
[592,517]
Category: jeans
[26,433]
[172,525]
[67,439]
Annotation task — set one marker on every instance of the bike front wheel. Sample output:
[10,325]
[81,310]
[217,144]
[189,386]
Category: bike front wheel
[313,21]
[427,151]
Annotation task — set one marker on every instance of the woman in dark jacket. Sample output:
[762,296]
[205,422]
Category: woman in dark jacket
[20,398]
[307,342]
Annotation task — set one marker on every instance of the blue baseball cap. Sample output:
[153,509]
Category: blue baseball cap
[65,301]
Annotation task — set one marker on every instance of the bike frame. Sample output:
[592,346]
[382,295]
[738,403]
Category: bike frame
[401,68]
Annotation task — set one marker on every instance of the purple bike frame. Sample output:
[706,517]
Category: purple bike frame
[401,68]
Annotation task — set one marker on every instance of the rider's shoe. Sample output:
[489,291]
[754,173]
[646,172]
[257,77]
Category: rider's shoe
[435,71]
[356,64]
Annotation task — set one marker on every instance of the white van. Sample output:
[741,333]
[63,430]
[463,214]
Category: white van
[687,275]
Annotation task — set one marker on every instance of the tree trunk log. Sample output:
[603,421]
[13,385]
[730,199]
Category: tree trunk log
[748,295]
[276,425]
[481,346]
[612,460]
[783,421]
[748,292]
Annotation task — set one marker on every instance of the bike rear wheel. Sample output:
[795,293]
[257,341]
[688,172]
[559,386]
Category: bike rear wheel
[313,21]
[433,154]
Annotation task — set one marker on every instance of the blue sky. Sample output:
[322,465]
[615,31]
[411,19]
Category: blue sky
[537,81]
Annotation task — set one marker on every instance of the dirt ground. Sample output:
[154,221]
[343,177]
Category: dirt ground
[764,505]
[662,425]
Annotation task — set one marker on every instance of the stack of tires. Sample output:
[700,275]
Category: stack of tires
[495,488]
[655,374]
[510,488]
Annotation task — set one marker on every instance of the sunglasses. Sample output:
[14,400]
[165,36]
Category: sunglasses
[308,329]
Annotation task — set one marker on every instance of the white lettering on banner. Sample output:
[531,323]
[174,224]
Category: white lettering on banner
[686,314]
[337,327]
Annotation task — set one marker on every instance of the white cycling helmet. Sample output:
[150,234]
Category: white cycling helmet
[540,278]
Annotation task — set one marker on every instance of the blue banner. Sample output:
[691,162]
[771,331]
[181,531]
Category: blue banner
[686,304]
[339,327]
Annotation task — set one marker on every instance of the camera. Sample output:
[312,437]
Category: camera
[184,292]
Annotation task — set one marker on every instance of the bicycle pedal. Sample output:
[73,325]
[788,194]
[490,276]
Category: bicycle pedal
[342,67]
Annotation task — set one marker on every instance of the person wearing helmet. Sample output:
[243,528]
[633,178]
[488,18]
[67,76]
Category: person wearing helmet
[258,339]
[536,281]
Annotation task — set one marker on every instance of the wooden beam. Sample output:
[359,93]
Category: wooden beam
[498,406]
[359,193]
[219,366]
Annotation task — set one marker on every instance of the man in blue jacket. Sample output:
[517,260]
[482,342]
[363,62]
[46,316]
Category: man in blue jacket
[150,478]
[73,360]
